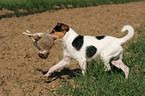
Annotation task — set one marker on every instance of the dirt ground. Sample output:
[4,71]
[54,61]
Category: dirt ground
[19,59]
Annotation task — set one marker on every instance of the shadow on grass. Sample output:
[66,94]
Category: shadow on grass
[65,73]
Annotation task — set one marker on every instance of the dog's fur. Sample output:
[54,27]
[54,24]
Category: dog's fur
[85,48]
[42,41]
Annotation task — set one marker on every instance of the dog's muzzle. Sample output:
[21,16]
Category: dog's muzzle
[43,56]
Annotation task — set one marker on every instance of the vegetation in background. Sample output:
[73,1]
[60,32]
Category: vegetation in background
[25,7]
[99,83]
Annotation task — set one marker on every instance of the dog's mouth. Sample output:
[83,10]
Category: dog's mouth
[54,38]
[43,56]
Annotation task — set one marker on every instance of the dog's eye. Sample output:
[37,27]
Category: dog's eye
[52,31]
[58,28]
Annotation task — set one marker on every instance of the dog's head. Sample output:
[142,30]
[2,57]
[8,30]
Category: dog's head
[59,30]
[43,42]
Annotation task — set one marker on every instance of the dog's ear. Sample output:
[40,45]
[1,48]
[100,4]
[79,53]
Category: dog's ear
[65,27]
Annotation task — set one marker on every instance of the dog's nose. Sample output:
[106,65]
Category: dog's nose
[43,56]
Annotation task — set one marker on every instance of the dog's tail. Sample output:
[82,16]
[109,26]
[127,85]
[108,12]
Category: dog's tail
[130,34]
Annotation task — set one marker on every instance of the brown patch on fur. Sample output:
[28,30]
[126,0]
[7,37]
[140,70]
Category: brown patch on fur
[64,27]
[58,34]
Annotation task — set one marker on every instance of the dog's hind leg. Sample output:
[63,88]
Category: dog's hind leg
[65,61]
[119,64]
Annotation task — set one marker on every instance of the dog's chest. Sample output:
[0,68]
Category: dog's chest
[64,46]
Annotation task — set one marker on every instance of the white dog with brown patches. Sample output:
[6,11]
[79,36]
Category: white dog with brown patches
[85,48]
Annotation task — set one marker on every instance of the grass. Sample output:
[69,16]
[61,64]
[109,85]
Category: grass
[26,7]
[99,83]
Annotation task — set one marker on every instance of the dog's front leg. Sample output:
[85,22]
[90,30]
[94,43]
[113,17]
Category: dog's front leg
[106,63]
[65,61]
[83,66]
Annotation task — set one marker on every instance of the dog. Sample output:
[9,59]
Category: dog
[85,48]
[43,42]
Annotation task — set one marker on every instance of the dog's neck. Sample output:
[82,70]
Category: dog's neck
[70,35]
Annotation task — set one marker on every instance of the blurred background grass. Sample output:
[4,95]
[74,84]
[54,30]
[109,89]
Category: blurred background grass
[49,4]
[35,6]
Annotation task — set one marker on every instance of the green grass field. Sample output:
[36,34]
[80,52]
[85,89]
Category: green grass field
[48,4]
[99,83]
[35,6]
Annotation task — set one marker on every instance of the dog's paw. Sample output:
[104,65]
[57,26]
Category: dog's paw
[47,74]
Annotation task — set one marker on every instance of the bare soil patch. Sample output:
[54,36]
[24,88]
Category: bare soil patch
[19,59]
